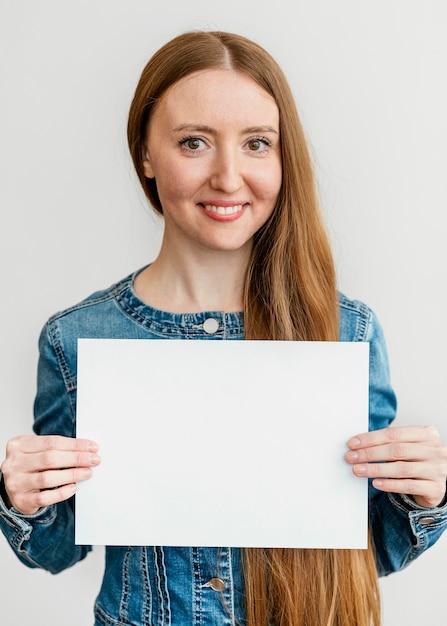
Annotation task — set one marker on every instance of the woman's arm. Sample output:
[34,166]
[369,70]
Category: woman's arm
[407,468]
[39,473]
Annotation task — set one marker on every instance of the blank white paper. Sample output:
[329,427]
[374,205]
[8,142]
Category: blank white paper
[222,443]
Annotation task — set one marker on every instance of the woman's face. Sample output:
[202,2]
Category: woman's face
[213,147]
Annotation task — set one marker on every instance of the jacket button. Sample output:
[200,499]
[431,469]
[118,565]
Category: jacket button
[210,326]
[217,584]
[426,520]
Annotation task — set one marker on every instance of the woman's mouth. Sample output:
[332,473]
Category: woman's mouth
[223,210]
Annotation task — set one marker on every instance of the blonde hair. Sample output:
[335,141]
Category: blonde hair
[290,294]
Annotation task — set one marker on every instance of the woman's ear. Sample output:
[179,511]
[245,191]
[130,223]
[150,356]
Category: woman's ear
[147,165]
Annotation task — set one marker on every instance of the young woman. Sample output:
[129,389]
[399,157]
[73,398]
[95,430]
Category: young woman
[217,144]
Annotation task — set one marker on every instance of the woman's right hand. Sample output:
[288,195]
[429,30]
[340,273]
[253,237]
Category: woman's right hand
[43,470]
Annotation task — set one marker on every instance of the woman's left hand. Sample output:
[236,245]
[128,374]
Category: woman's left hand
[408,460]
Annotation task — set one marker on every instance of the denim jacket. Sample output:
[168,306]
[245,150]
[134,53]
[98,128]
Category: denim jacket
[145,585]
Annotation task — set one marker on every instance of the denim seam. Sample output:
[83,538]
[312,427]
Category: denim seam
[110,294]
[147,593]
[413,553]
[17,541]
[134,316]
[398,504]
[420,536]
[101,616]
[197,597]
[68,378]
[419,531]
[125,590]
[417,510]
[116,294]
[20,528]
[164,607]
[363,316]
[230,591]
[46,520]
[426,527]
[190,331]
[233,602]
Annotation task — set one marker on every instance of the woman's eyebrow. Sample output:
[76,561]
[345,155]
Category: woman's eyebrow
[261,129]
[203,128]
[196,128]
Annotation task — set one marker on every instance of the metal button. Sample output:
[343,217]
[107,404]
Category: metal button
[426,520]
[210,325]
[216,583]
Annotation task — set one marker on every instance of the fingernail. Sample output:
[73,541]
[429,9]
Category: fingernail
[353,456]
[360,469]
[94,459]
[92,446]
[87,473]
[354,442]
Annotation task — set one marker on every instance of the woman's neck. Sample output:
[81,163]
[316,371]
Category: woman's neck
[209,281]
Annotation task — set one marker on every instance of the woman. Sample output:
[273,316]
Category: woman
[219,150]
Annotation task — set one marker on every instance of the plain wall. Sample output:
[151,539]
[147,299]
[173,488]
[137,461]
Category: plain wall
[369,79]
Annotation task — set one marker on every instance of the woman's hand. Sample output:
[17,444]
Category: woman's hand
[43,470]
[408,460]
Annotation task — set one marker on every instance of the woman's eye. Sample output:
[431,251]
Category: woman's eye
[191,143]
[258,144]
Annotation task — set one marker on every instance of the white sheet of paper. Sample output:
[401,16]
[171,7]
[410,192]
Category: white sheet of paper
[222,443]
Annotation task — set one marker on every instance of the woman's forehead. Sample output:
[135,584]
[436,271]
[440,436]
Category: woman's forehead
[219,91]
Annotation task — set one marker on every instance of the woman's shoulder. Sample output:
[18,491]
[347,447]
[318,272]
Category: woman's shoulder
[97,315]
[97,298]
[358,321]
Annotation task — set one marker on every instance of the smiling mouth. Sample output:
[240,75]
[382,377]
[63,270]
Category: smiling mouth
[223,210]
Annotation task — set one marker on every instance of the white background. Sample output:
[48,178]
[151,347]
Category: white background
[369,79]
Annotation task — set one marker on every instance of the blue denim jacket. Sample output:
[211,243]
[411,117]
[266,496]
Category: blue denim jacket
[145,585]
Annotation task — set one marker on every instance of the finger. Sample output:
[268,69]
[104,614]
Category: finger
[43,461]
[58,478]
[428,493]
[38,443]
[18,486]
[392,434]
[31,502]
[398,470]
[398,450]
[56,459]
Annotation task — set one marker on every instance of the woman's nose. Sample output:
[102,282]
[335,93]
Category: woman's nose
[227,174]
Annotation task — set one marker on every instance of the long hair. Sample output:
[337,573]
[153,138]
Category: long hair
[290,294]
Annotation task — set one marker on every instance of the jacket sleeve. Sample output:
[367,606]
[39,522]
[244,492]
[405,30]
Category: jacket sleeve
[46,539]
[401,529]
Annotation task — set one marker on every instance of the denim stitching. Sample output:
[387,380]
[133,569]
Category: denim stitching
[147,593]
[415,514]
[164,607]
[117,294]
[124,601]
[231,590]
[363,317]
[197,599]
[102,617]
[188,329]
[53,336]
[225,571]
